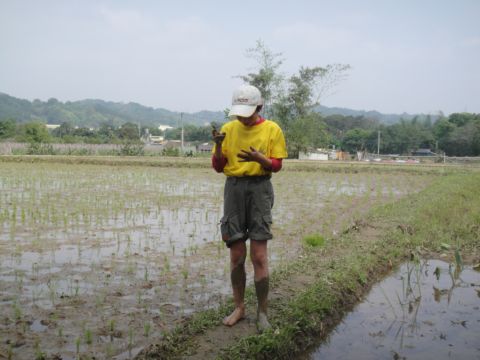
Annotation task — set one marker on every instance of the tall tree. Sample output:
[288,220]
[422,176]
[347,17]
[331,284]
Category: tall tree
[129,131]
[291,100]
[356,140]
[65,128]
[305,133]
[267,77]
[33,132]
[7,128]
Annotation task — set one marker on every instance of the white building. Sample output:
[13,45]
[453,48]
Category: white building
[165,127]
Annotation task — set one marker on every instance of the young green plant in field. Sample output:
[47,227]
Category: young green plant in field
[88,337]
[10,352]
[166,265]
[185,273]
[146,329]
[130,338]
[17,311]
[109,351]
[314,240]
[78,341]
[145,275]
[39,354]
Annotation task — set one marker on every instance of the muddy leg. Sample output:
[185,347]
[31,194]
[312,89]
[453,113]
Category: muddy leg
[238,253]
[258,254]
[261,289]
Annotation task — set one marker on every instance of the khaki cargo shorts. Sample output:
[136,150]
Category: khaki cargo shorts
[248,203]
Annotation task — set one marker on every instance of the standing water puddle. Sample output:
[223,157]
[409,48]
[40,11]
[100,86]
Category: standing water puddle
[429,310]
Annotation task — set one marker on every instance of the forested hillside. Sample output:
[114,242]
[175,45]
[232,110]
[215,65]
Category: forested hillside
[97,121]
[372,114]
[94,113]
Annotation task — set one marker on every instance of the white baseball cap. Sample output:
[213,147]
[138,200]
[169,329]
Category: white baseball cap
[245,100]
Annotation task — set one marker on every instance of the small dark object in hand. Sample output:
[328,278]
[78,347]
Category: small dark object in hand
[216,136]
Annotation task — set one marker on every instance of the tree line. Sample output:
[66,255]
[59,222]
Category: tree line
[455,135]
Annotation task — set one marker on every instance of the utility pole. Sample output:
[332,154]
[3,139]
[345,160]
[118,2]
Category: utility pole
[181,120]
[378,143]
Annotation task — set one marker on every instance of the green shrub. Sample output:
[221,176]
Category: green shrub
[169,151]
[315,240]
[132,149]
[35,148]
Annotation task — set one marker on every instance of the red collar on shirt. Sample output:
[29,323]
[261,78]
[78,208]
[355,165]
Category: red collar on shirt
[259,120]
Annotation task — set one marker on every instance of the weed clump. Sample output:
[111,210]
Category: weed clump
[314,240]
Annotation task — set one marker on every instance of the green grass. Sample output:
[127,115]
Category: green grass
[314,240]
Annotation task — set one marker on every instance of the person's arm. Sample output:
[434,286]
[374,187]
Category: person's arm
[218,163]
[271,164]
[218,160]
[276,165]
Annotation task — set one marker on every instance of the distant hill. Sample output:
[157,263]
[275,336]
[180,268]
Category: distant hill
[387,119]
[93,112]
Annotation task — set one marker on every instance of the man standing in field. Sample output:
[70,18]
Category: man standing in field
[247,150]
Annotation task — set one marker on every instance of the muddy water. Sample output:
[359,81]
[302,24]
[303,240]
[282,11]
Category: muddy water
[429,310]
[125,253]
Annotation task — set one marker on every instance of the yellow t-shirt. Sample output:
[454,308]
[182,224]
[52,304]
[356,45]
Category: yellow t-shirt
[266,137]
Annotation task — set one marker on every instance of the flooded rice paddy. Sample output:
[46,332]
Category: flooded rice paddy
[101,260]
[428,310]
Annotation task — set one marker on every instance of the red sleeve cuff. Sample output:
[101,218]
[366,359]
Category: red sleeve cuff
[276,164]
[218,164]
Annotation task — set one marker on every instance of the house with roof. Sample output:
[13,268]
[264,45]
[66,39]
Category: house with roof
[423,152]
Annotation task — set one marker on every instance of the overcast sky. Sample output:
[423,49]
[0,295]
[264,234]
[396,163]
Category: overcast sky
[414,56]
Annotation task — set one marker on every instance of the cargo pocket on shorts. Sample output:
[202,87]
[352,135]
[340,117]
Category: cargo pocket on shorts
[267,224]
[224,228]
[267,220]
[230,229]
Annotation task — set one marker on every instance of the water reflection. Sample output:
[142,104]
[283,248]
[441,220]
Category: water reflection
[428,310]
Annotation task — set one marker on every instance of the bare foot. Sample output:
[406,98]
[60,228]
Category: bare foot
[262,322]
[237,315]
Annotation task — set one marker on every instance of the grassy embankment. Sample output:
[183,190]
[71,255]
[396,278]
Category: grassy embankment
[326,281]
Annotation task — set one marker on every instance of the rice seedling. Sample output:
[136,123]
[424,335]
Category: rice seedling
[10,352]
[185,273]
[88,337]
[146,329]
[39,354]
[130,338]
[78,341]
[17,311]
